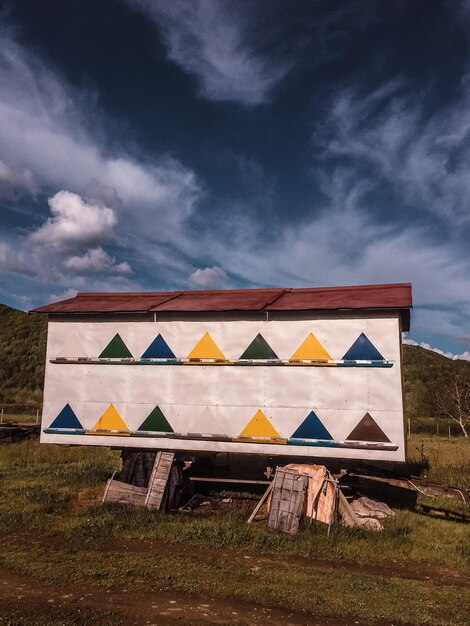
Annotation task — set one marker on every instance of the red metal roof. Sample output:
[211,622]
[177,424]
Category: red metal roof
[394,296]
[221,300]
[108,303]
[364,297]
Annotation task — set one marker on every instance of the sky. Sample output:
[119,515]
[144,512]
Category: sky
[206,144]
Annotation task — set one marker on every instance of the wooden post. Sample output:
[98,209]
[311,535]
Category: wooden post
[37,416]
[260,503]
[1,418]
[449,428]
[437,426]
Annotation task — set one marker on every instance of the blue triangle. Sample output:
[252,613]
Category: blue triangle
[158,349]
[363,350]
[66,419]
[311,428]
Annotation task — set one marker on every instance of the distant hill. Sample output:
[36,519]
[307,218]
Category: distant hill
[422,370]
[22,356]
[23,348]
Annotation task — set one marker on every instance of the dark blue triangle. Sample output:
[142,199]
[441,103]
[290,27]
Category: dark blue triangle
[311,428]
[66,419]
[158,349]
[363,350]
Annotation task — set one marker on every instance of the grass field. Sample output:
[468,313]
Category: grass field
[57,534]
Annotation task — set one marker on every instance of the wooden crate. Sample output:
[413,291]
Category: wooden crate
[287,501]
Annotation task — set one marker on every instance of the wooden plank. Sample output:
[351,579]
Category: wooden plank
[208,479]
[107,488]
[159,479]
[260,503]
[117,491]
[346,511]
[422,485]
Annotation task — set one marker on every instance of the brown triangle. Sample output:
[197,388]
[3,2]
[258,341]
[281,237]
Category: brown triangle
[368,430]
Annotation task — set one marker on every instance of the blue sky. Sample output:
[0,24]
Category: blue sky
[185,144]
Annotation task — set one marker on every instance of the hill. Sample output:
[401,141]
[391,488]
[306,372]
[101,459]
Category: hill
[23,347]
[22,356]
[424,371]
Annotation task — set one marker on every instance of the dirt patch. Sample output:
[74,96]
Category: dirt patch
[426,572]
[23,598]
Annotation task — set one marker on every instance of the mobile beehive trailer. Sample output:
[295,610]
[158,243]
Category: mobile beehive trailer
[273,372]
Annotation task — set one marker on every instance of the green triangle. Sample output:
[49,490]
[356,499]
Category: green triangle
[116,349]
[259,348]
[156,422]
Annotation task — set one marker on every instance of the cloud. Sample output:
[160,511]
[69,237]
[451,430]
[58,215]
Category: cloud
[65,247]
[465,356]
[58,135]
[75,223]
[14,183]
[209,278]
[56,143]
[212,41]
[96,260]
[389,134]
[14,260]
[64,295]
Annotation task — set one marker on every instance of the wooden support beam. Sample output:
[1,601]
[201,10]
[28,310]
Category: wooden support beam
[159,479]
[261,502]
[421,485]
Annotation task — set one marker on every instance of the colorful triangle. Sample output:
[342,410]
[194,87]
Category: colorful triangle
[363,350]
[156,422]
[71,348]
[259,426]
[110,420]
[66,419]
[259,349]
[206,423]
[312,428]
[368,430]
[310,349]
[206,348]
[158,349]
[116,349]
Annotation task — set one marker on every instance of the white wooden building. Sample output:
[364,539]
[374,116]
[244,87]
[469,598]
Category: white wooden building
[293,372]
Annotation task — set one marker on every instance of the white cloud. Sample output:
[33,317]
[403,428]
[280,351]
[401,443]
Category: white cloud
[209,278]
[14,260]
[66,246]
[14,182]
[75,223]
[388,133]
[53,138]
[96,260]
[64,295]
[465,356]
[55,133]
[211,40]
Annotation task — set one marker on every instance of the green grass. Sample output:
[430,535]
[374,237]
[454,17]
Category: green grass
[29,418]
[55,493]
[448,459]
[298,589]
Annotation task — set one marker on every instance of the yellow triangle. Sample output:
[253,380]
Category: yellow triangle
[312,349]
[259,426]
[206,348]
[110,420]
